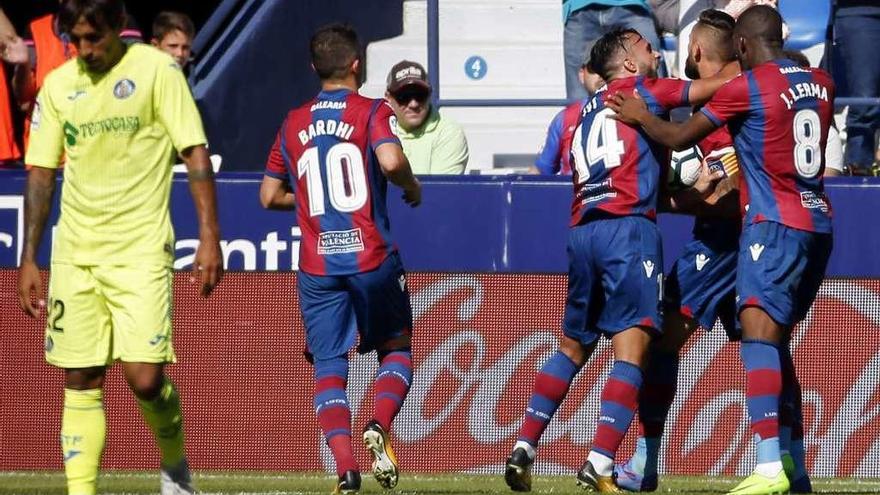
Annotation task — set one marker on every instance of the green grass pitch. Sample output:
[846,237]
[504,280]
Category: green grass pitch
[251,483]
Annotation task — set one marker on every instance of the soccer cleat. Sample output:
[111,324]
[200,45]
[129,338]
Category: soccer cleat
[800,485]
[384,461]
[758,484]
[176,480]
[518,471]
[631,481]
[588,479]
[348,483]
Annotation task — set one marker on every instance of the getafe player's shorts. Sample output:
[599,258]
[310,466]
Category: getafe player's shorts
[335,309]
[615,278]
[702,283]
[98,314]
[780,270]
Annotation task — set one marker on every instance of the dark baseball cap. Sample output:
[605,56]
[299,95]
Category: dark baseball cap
[406,73]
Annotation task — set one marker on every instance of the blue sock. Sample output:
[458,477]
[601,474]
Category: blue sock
[551,387]
[763,390]
[644,460]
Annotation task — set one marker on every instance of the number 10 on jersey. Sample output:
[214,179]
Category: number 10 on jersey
[346,178]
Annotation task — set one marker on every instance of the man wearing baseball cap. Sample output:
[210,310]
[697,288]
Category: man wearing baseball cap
[433,144]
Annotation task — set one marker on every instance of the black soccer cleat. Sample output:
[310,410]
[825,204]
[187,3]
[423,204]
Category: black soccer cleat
[348,483]
[518,471]
[588,479]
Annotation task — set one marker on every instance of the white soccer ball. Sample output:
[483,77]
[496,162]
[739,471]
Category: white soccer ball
[684,168]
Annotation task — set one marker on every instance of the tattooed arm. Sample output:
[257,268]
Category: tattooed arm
[208,264]
[37,203]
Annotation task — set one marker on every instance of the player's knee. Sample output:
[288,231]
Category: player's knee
[758,325]
[576,351]
[84,378]
[145,382]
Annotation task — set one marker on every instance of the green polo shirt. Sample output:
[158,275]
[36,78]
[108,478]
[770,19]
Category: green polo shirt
[569,6]
[437,147]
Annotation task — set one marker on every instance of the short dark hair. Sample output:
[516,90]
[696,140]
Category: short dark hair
[721,25]
[797,57]
[605,49]
[333,48]
[168,21]
[98,13]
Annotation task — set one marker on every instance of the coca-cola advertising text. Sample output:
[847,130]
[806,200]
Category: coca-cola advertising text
[479,339]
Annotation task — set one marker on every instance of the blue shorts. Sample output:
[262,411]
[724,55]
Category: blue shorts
[702,284]
[780,270]
[615,278]
[373,304]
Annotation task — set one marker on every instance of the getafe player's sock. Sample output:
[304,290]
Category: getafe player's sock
[763,388]
[619,401]
[655,400]
[165,419]
[83,431]
[332,409]
[392,383]
[551,386]
[798,453]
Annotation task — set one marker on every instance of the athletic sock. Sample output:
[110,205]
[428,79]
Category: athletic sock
[165,419]
[763,389]
[655,400]
[619,402]
[392,383]
[551,387]
[333,412]
[83,432]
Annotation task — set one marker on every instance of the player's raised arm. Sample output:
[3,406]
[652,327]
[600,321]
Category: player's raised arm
[632,110]
[396,167]
[208,262]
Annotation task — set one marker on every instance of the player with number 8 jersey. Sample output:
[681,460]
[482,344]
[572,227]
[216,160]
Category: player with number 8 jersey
[331,161]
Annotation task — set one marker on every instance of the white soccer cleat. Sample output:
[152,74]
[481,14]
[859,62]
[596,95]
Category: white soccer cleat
[384,461]
[177,480]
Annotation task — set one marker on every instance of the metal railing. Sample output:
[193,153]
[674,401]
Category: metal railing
[434,79]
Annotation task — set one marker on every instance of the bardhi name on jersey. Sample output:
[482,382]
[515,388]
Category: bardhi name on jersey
[326,151]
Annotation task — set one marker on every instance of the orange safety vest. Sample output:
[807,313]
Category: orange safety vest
[51,52]
[8,147]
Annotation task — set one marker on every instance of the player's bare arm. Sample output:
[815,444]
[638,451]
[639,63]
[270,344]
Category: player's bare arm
[632,110]
[703,89]
[275,194]
[396,167]
[208,263]
[37,202]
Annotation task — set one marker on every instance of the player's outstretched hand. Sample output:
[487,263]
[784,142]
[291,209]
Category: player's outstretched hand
[628,109]
[706,182]
[208,266]
[413,195]
[29,287]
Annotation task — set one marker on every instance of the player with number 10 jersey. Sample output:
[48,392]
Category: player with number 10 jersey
[331,161]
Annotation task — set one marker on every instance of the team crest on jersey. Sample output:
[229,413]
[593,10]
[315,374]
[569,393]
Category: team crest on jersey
[123,88]
[392,123]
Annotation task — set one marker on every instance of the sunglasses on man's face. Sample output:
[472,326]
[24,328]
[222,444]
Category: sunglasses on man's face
[404,97]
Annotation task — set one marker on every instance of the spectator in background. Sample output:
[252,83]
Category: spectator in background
[587,20]
[44,48]
[173,33]
[9,152]
[555,155]
[834,148]
[433,144]
[857,35]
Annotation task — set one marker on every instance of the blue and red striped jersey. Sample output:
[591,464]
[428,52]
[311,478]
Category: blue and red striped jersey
[779,114]
[617,166]
[326,151]
[555,156]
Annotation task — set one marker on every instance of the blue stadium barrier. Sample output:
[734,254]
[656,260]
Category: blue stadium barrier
[466,224]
